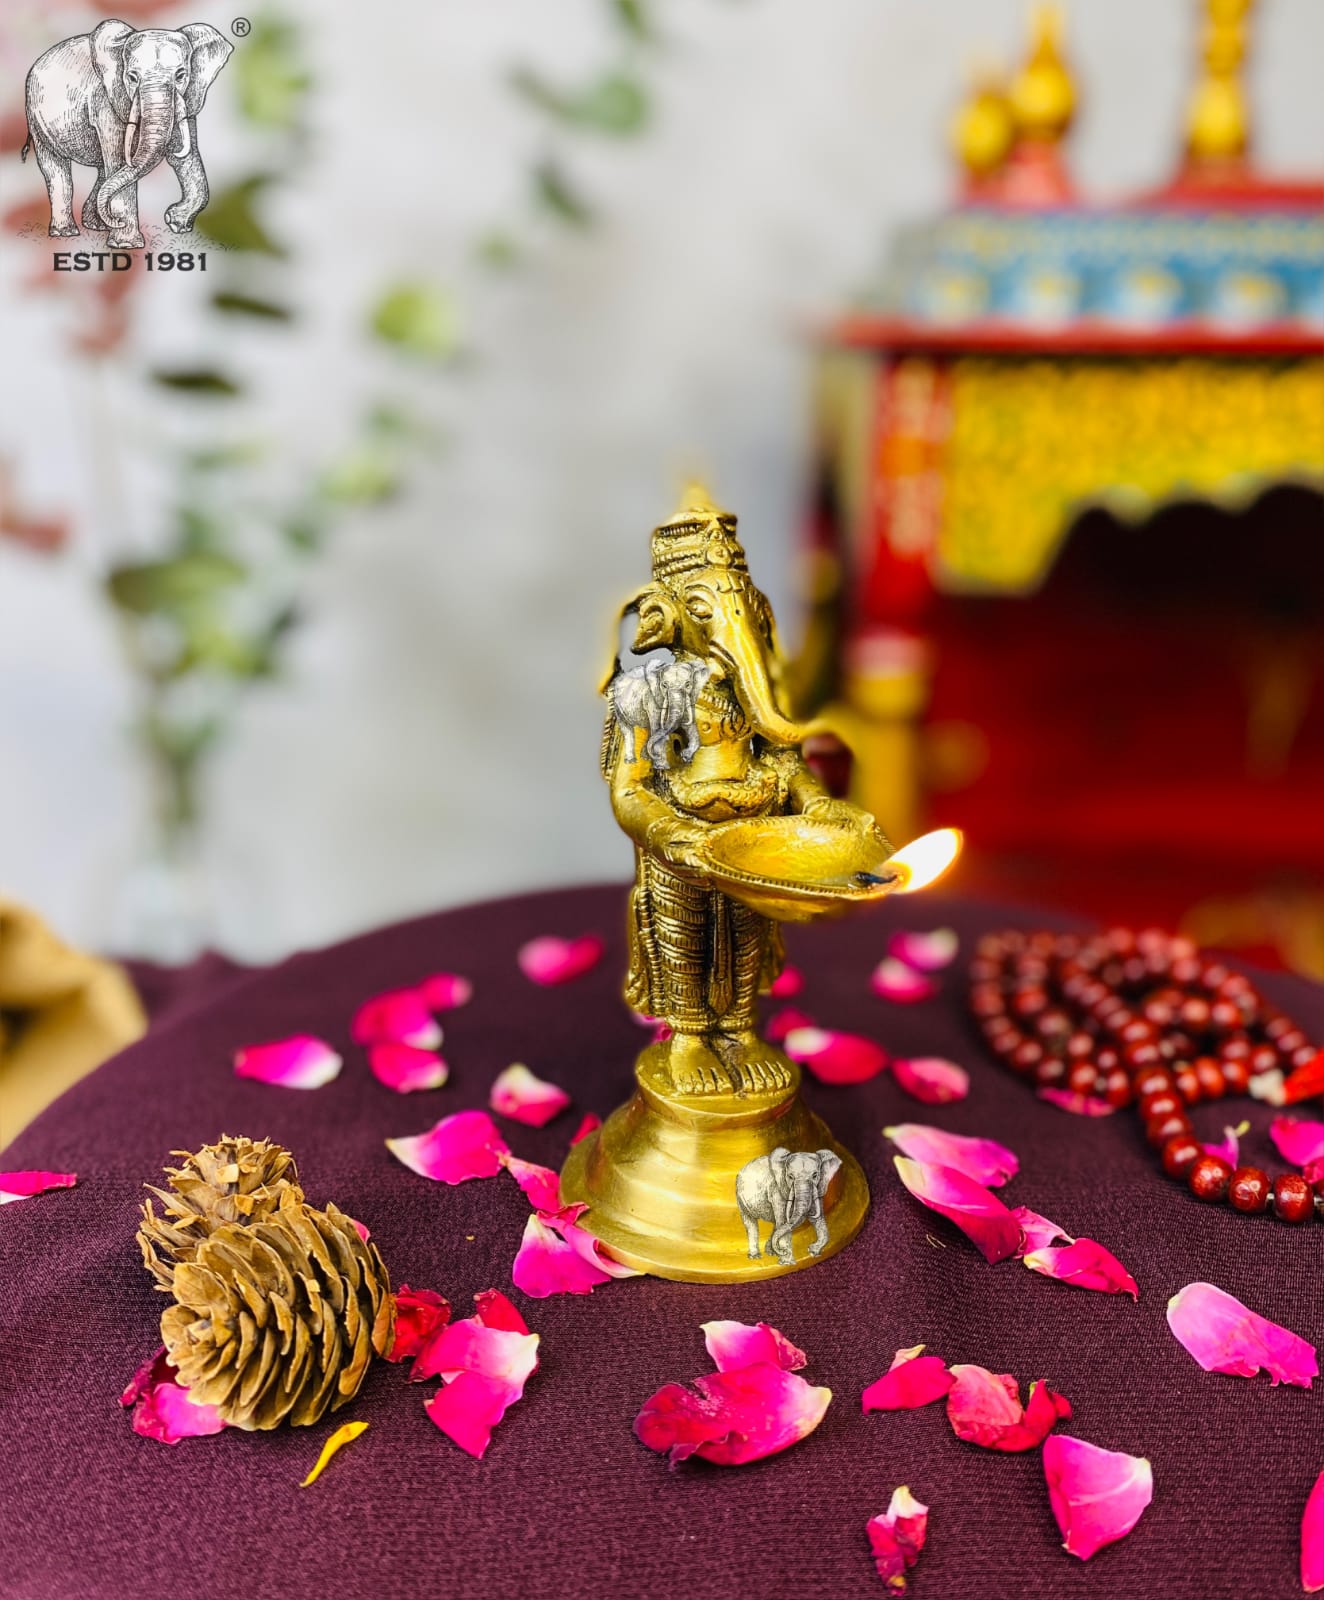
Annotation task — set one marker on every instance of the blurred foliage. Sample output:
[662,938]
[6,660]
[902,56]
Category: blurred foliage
[418,318]
[615,104]
[272,79]
[232,303]
[231,219]
[197,380]
[554,191]
[212,614]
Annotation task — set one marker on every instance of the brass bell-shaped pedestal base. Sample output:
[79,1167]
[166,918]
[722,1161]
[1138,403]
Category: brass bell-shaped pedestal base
[659,1178]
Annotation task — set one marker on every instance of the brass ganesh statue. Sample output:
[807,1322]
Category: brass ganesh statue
[699,958]
[733,834]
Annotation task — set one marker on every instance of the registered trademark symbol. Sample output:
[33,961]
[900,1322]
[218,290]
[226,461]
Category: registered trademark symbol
[241,27]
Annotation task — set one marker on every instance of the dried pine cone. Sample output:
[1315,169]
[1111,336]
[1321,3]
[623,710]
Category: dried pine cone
[279,1320]
[234,1180]
[279,1307]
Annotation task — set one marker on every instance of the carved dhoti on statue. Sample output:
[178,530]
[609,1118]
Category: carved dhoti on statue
[698,958]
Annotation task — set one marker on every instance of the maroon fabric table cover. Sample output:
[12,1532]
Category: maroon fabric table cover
[567,1502]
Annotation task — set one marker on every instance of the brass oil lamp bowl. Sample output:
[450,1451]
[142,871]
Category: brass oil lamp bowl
[715,1171]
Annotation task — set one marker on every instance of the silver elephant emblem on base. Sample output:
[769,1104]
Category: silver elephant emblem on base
[785,1189]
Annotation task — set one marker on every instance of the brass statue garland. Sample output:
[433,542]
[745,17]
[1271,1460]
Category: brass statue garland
[733,834]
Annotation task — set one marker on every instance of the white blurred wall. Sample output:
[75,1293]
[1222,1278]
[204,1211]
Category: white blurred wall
[437,737]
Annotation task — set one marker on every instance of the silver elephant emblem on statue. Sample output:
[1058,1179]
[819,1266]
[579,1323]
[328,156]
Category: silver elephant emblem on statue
[657,699]
[785,1189]
[122,100]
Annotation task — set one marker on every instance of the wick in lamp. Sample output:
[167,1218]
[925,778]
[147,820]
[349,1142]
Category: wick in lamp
[715,1171]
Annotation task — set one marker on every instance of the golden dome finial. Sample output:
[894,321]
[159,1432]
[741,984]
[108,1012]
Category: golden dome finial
[983,128]
[1043,92]
[1217,119]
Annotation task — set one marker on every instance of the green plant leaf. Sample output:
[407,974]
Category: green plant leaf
[556,195]
[363,477]
[419,318]
[231,220]
[304,532]
[616,104]
[498,249]
[231,303]
[145,587]
[197,380]
[220,458]
[199,530]
[270,76]
[633,16]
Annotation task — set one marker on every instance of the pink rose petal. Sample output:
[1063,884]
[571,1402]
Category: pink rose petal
[362,1229]
[23,1185]
[161,1405]
[984,1160]
[1097,1495]
[462,1146]
[835,1057]
[1312,1539]
[399,1016]
[591,1123]
[735,1417]
[1080,1105]
[1086,1264]
[985,1408]
[420,1314]
[547,1264]
[979,1214]
[557,1256]
[738,1344]
[1313,1171]
[300,1062]
[1228,1148]
[1225,1336]
[926,952]
[1296,1140]
[1037,1232]
[494,1310]
[549,960]
[405,1068]
[541,1185]
[912,1380]
[893,980]
[467,1409]
[897,1536]
[785,1021]
[444,991]
[931,1079]
[788,982]
[566,1220]
[484,1364]
[518,1093]
[476,1345]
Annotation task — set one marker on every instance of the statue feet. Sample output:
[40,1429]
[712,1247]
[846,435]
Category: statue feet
[759,1067]
[734,1063]
[694,1068]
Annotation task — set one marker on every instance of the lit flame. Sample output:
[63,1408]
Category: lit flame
[925,859]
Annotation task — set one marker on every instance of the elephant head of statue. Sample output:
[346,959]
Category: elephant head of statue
[155,79]
[702,603]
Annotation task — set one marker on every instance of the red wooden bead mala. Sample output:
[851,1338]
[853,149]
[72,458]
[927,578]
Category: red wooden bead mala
[1143,1019]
